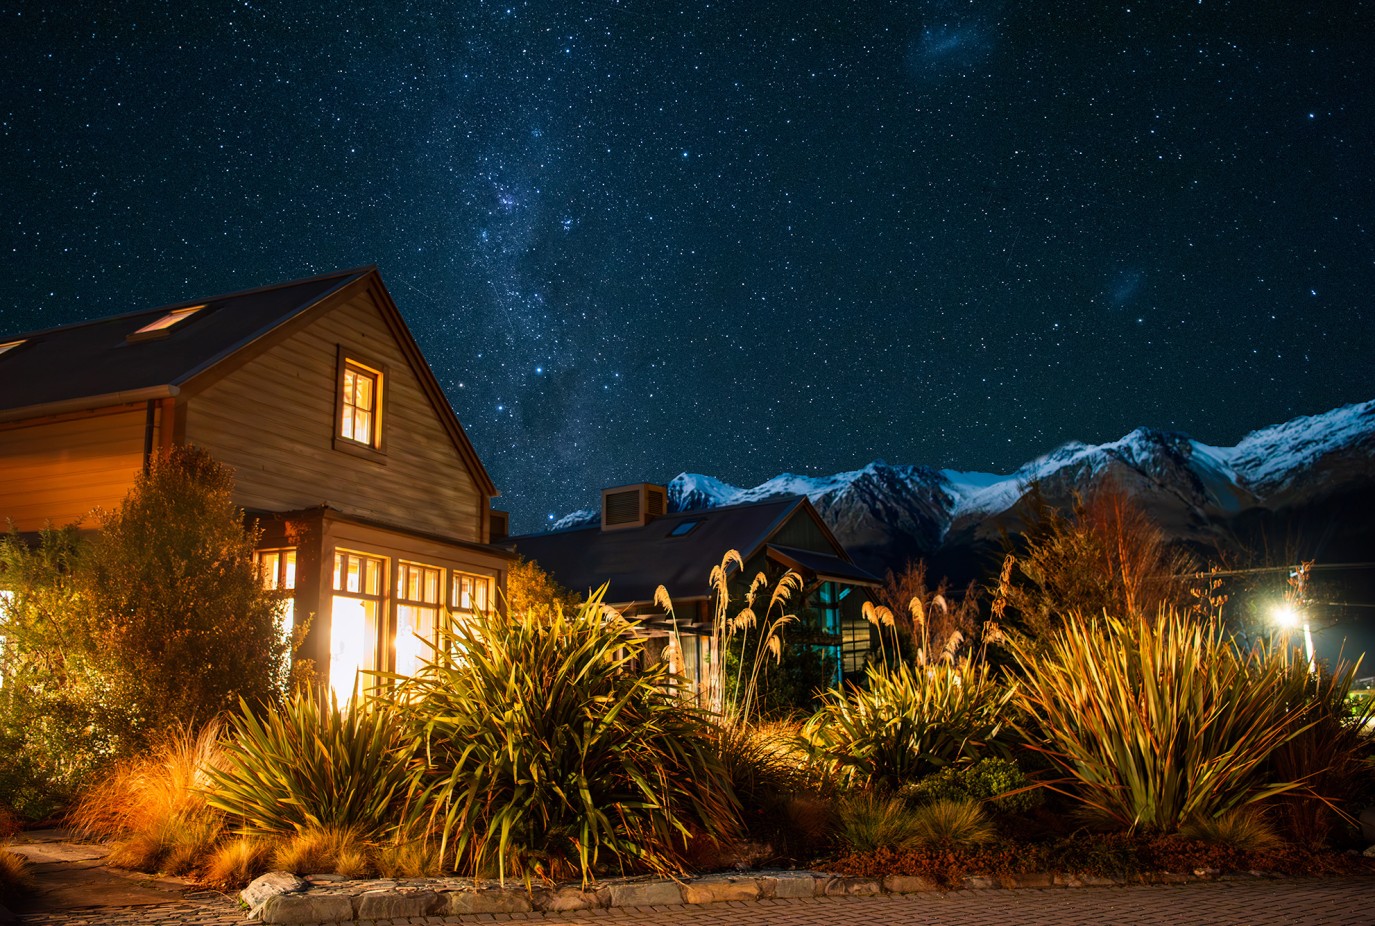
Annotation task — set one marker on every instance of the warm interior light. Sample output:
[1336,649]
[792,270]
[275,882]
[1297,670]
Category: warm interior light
[352,641]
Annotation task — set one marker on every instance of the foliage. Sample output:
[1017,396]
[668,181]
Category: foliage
[312,764]
[866,821]
[16,879]
[925,624]
[547,754]
[1106,556]
[909,722]
[151,807]
[236,862]
[951,822]
[317,850]
[1155,726]
[1243,828]
[790,685]
[532,591]
[54,733]
[184,626]
[409,858]
[1330,758]
[999,783]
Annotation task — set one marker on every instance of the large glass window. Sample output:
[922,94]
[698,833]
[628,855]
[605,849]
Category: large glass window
[277,571]
[418,598]
[355,621]
[361,404]
[470,593]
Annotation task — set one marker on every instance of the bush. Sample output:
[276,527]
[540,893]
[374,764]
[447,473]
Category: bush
[549,754]
[236,862]
[184,627]
[909,722]
[951,823]
[998,783]
[1243,829]
[1156,726]
[866,822]
[324,850]
[313,764]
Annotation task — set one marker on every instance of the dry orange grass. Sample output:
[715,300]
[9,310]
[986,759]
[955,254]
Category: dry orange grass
[15,878]
[327,850]
[151,809]
[233,864]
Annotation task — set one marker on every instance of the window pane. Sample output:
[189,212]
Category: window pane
[363,391]
[289,573]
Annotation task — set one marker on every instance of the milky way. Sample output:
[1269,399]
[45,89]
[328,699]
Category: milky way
[635,238]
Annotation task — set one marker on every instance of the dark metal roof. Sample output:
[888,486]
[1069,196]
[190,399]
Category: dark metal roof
[94,359]
[636,561]
[823,566]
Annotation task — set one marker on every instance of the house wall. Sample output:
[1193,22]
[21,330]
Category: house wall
[58,469]
[274,418]
[802,533]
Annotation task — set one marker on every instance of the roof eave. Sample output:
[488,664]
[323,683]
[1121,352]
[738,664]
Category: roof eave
[88,403]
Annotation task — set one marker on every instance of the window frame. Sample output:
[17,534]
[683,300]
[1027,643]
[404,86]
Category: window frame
[357,362]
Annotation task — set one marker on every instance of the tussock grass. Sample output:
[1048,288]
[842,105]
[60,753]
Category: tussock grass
[236,862]
[151,807]
[15,878]
[325,850]
[412,859]
[1244,829]
[951,823]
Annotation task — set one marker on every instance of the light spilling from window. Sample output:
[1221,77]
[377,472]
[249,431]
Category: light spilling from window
[362,388]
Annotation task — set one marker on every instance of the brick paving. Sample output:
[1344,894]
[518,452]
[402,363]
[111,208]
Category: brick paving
[1338,902]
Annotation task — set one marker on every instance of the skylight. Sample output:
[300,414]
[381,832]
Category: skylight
[9,346]
[684,528]
[170,320]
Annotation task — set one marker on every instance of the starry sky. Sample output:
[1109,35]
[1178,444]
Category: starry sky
[636,237]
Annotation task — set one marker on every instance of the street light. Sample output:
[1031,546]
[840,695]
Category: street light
[1289,616]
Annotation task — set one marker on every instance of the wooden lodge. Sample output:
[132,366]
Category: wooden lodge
[373,505]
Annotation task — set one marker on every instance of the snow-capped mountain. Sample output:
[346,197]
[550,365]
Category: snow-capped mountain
[1196,492]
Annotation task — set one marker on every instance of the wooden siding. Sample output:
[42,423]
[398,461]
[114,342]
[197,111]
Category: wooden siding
[802,533]
[273,419]
[55,471]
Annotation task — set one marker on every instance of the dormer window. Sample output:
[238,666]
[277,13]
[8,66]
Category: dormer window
[360,404]
[9,346]
[163,326]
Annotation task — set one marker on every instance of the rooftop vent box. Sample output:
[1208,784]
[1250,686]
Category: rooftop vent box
[632,505]
[500,525]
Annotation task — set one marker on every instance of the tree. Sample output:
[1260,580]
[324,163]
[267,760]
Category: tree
[1105,556]
[928,624]
[184,625]
[532,591]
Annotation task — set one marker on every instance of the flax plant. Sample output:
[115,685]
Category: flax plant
[546,753]
[1157,725]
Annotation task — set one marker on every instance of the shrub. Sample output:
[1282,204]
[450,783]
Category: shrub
[1330,757]
[1155,726]
[312,764]
[151,807]
[416,858]
[999,783]
[909,722]
[184,626]
[548,753]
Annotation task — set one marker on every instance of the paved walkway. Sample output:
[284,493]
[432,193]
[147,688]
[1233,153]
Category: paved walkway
[74,890]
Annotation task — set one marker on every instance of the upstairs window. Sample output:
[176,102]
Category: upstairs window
[360,419]
[161,327]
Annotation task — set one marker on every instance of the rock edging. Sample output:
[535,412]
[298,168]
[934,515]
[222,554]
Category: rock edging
[280,899]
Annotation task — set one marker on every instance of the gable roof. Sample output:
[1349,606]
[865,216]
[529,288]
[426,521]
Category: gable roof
[636,561]
[94,363]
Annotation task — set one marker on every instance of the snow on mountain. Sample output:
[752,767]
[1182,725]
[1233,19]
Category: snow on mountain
[1192,489]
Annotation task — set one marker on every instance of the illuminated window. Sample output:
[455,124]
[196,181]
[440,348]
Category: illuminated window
[355,621]
[360,420]
[163,325]
[470,593]
[9,346]
[418,597]
[277,571]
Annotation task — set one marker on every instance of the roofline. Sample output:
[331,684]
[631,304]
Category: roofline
[85,403]
[181,303]
[363,521]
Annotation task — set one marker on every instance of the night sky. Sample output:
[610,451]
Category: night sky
[636,237]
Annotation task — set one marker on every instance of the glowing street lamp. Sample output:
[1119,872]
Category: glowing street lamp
[1290,616]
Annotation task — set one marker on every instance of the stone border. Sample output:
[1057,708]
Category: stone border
[338,901]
